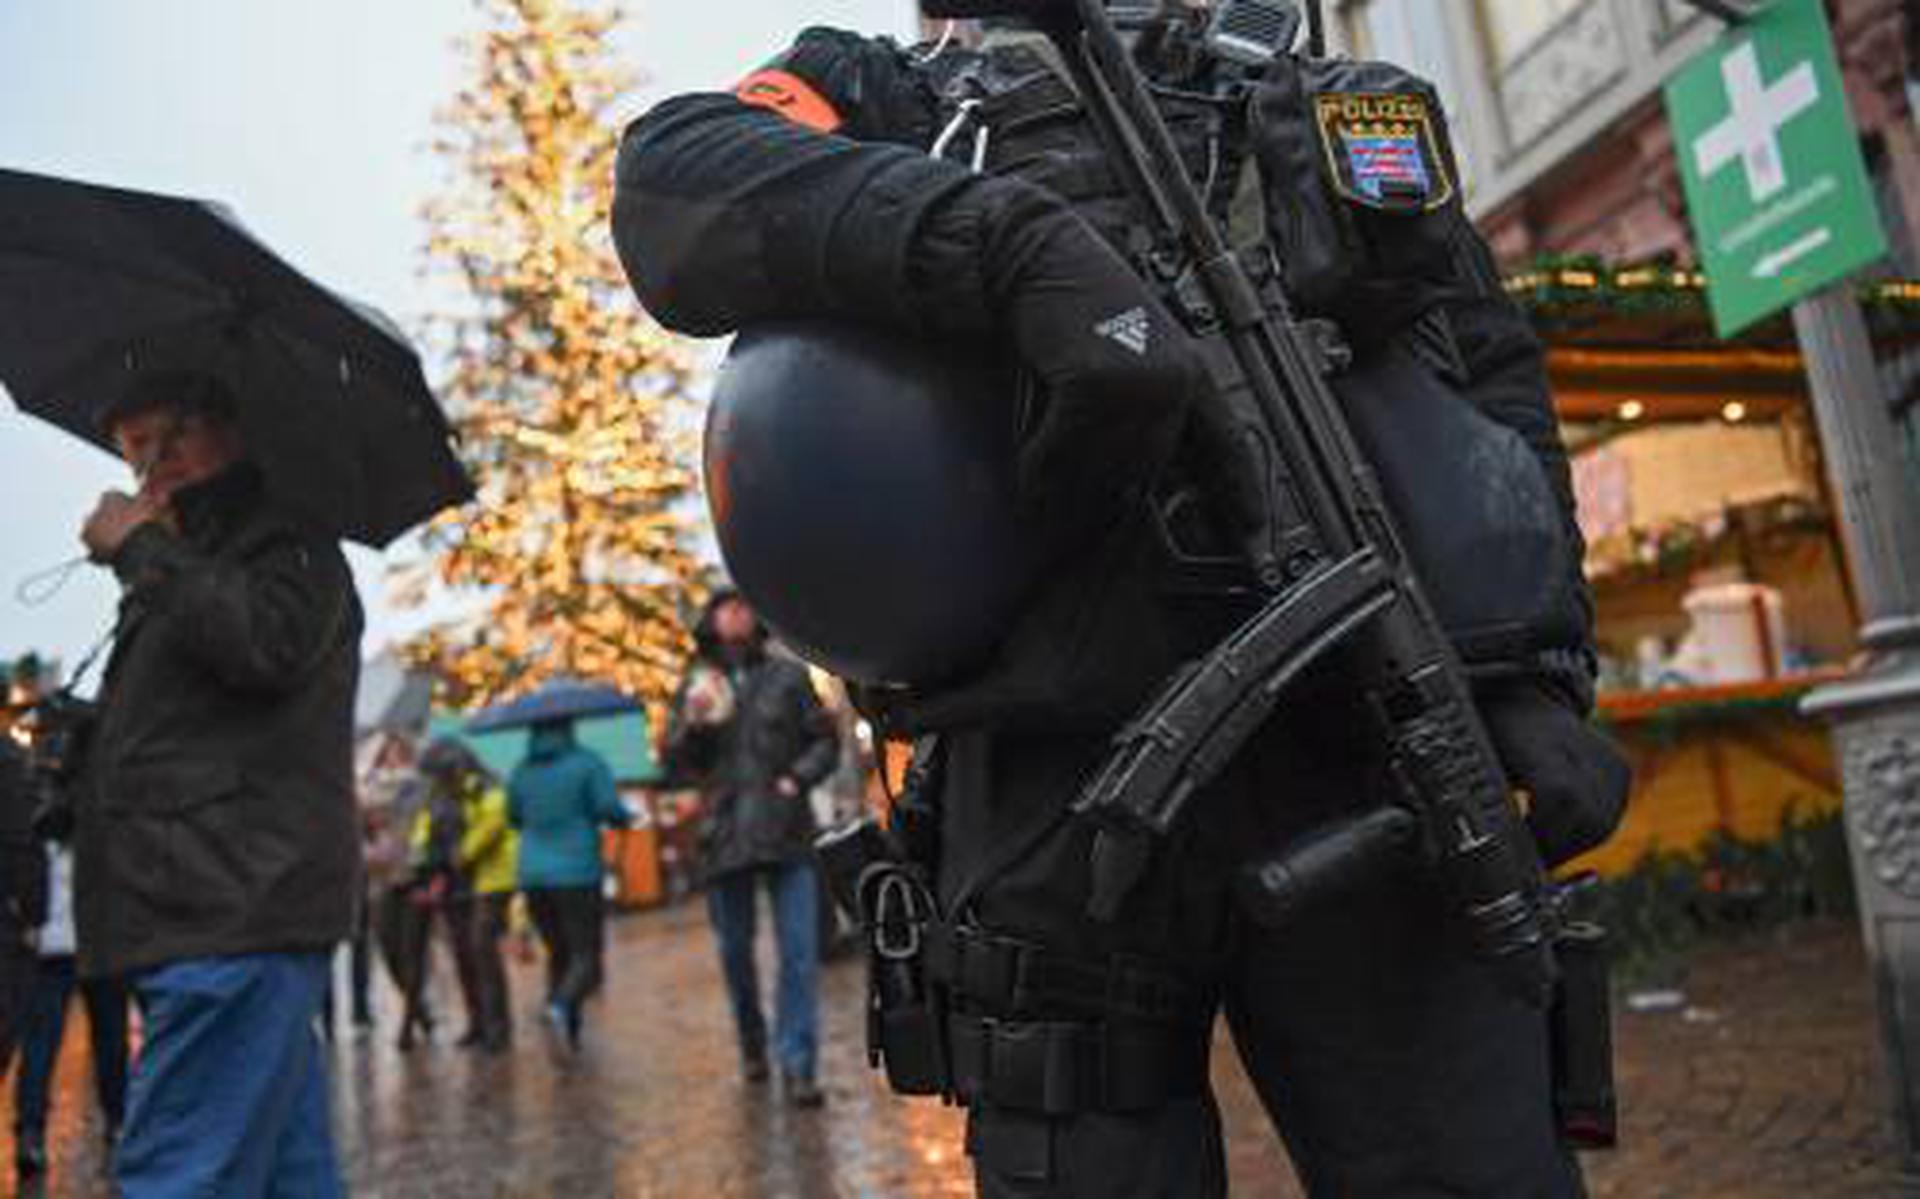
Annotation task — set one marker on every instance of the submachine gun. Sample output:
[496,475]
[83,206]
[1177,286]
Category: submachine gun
[1333,574]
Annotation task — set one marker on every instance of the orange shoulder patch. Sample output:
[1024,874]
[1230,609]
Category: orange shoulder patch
[790,96]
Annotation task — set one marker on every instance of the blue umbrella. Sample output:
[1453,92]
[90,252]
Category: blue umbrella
[561,699]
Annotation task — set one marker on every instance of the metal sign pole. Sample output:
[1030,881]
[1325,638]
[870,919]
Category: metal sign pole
[1783,213]
[1875,716]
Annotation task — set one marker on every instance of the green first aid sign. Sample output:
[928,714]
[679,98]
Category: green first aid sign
[1771,162]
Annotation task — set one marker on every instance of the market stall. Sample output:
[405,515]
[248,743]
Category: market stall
[1719,578]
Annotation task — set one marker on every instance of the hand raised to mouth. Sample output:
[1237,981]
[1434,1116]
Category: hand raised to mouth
[115,518]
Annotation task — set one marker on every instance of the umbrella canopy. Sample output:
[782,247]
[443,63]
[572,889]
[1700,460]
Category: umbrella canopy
[562,699]
[98,285]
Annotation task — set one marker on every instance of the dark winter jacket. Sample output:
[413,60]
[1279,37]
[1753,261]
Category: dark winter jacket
[216,815]
[777,729]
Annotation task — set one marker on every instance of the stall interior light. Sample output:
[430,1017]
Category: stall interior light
[1632,410]
[1733,412]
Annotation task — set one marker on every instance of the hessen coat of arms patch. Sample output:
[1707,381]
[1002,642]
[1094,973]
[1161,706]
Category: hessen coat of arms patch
[1382,150]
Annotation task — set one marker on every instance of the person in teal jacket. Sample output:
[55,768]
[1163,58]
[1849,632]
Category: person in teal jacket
[559,799]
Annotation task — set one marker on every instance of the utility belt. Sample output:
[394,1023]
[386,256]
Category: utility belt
[1059,1068]
[976,1017]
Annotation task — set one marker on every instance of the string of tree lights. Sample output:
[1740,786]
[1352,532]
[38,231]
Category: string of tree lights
[572,407]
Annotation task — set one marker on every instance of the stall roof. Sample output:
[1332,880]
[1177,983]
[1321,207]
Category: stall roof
[1643,332]
[1586,302]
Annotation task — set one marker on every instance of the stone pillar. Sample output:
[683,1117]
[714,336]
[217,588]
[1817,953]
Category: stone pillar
[1875,715]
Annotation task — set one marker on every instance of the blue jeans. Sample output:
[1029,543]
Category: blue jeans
[229,1092]
[44,1028]
[796,925]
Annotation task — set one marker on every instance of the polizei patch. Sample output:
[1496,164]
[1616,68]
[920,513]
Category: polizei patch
[1382,151]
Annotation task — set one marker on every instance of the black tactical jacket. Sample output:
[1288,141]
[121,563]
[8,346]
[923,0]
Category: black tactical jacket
[727,214]
[216,815]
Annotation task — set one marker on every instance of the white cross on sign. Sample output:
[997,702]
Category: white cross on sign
[1751,132]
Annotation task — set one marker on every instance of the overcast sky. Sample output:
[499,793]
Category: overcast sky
[308,119]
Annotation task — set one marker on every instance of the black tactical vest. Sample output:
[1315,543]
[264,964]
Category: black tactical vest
[1009,109]
[1329,187]
[1110,624]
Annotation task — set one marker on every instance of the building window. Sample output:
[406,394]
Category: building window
[1411,34]
[1408,33]
[1673,15]
[1513,27]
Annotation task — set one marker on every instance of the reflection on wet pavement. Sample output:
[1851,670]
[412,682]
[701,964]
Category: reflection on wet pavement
[1775,1094]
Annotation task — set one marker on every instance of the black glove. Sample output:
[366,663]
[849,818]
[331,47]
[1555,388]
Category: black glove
[1577,778]
[1117,372]
[870,82]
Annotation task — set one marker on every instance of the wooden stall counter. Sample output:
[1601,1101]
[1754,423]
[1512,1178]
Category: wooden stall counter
[1732,758]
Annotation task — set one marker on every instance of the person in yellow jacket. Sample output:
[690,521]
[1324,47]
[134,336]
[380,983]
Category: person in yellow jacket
[468,855]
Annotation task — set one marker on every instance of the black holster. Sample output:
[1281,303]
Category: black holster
[890,898]
[974,1016]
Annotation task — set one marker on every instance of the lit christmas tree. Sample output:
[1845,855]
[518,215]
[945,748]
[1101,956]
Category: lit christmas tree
[571,405]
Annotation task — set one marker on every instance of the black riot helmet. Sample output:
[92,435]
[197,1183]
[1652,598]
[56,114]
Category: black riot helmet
[862,489]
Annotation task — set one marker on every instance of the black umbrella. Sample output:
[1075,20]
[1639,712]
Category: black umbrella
[98,284]
[561,699]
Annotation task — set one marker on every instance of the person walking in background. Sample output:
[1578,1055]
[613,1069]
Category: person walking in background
[464,834]
[359,969]
[45,1024]
[559,799]
[359,973]
[361,947]
[393,797]
[750,733]
[23,873]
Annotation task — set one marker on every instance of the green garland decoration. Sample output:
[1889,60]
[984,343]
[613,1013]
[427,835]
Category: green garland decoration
[1724,889]
[1667,550]
[1557,287]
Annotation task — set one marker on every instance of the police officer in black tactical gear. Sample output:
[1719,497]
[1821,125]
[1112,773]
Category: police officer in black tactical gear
[961,196]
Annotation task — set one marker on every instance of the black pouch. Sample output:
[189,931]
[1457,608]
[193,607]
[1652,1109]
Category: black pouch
[906,1013]
[1480,521]
[1357,177]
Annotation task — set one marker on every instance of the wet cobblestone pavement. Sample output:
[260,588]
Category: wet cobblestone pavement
[1766,1087]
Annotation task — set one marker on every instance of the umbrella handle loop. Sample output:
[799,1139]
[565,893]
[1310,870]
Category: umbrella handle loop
[41,586]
